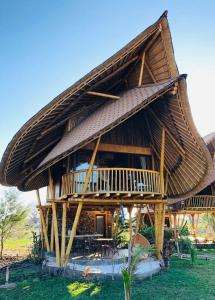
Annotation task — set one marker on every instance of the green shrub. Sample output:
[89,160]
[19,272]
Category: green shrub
[148,232]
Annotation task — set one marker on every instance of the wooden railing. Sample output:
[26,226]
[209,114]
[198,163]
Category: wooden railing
[200,201]
[112,181]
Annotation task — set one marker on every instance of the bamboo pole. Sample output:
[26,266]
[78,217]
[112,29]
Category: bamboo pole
[193,224]
[117,222]
[130,223]
[63,233]
[196,225]
[159,228]
[141,69]
[174,224]
[80,205]
[43,223]
[52,235]
[162,161]
[150,218]
[55,221]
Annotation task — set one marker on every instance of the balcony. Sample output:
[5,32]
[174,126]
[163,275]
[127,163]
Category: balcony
[200,202]
[112,183]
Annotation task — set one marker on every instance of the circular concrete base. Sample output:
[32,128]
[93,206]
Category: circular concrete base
[101,268]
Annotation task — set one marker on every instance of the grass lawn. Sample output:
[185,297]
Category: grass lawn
[19,246]
[181,282]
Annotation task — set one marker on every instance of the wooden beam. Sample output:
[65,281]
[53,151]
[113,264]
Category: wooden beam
[52,235]
[80,205]
[175,226]
[162,185]
[121,149]
[103,95]
[115,201]
[151,42]
[150,72]
[55,221]
[130,223]
[149,215]
[134,59]
[171,136]
[62,122]
[159,228]
[43,223]
[152,145]
[141,69]
[117,222]
[63,232]
[41,150]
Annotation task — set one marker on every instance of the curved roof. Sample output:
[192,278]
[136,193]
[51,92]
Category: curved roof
[39,135]
[42,142]
[189,172]
[210,142]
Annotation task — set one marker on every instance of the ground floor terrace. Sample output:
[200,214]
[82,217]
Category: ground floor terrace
[182,281]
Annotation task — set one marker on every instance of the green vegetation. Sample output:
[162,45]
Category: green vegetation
[181,282]
[12,215]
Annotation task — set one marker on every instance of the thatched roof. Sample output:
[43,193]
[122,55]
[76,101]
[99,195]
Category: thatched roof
[42,141]
[43,130]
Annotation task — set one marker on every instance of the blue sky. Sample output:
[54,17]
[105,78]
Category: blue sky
[48,45]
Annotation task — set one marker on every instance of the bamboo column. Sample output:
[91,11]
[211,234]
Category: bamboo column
[175,226]
[130,223]
[159,228]
[52,235]
[43,223]
[162,161]
[80,205]
[55,221]
[63,232]
[193,223]
[117,222]
[149,216]
[141,69]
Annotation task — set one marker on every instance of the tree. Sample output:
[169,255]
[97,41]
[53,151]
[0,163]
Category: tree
[12,213]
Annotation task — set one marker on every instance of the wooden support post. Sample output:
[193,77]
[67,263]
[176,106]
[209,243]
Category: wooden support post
[52,235]
[196,225]
[80,205]
[183,220]
[141,69]
[47,218]
[55,221]
[41,233]
[170,220]
[63,232]
[117,222]
[159,228]
[138,216]
[175,226]
[149,216]
[130,223]
[56,236]
[43,223]
[193,224]
[162,161]
[175,143]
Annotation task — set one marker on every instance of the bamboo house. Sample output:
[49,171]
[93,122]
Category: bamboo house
[121,136]
[203,201]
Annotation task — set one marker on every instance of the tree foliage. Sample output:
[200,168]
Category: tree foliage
[12,213]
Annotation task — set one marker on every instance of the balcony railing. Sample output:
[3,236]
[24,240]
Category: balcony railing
[197,202]
[112,181]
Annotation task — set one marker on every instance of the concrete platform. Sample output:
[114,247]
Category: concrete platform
[101,268]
